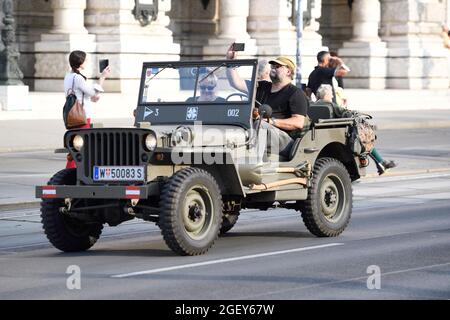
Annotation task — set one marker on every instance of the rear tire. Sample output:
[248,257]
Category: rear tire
[191,211]
[65,233]
[327,210]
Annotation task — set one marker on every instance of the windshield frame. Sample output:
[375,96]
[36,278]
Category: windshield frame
[208,63]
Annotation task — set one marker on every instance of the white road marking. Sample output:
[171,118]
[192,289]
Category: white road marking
[206,263]
[327,284]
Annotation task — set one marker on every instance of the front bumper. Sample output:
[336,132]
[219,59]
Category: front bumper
[97,192]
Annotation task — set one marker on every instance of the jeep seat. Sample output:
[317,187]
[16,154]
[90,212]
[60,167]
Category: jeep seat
[318,111]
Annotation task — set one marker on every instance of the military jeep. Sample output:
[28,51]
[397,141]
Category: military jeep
[194,160]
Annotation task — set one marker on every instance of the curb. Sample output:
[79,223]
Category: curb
[26,149]
[414,125]
[405,173]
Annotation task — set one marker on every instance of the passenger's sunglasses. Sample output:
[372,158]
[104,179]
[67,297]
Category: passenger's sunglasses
[210,88]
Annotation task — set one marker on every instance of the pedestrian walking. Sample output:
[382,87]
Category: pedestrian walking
[85,92]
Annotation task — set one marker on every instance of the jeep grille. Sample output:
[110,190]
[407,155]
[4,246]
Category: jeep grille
[110,149]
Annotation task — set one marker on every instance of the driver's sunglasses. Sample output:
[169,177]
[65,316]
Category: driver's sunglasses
[210,88]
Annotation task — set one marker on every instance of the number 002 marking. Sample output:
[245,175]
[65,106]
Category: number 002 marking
[233,112]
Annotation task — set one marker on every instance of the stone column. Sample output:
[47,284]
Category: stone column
[193,22]
[13,93]
[232,28]
[416,56]
[68,16]
[365,53]
[335,23]
[270,24]
[311,39]
[33,19]
[68,34]
[127,43]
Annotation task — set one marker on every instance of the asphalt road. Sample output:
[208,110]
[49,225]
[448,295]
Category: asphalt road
[400,226]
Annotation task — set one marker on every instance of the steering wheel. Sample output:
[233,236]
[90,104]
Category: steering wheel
[237,94]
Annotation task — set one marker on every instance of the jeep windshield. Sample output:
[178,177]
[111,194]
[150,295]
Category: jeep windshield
[189,91]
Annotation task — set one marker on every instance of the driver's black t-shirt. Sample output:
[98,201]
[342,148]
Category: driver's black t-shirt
[286,102]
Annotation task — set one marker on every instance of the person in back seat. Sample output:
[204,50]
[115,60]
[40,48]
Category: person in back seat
[325,96]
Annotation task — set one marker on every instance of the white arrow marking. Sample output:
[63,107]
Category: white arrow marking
[147,112]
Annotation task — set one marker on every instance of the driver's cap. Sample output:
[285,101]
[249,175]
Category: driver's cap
[285,61]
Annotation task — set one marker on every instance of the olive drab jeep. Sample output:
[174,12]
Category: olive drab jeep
[194,160]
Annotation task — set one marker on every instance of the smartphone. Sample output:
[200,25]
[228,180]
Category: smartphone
[103,63]
[238,46]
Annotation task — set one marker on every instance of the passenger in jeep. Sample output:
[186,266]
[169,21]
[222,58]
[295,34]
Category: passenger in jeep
[289,103]
[325,96]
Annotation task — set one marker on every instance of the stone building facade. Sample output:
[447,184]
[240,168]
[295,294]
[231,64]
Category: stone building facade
[386,43]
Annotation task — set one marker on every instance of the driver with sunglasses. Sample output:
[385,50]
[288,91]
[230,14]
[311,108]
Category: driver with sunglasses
[288,102]
[208,88]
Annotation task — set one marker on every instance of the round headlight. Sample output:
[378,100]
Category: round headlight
[78,142]
[150,142]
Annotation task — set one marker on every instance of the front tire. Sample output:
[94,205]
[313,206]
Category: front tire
[327,210]
[191,211]
[65,233]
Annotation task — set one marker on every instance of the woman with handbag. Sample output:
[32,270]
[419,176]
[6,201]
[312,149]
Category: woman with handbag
[86,93]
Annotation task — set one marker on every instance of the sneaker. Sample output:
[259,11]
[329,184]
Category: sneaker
[380,169]
[385,166]
[389,164]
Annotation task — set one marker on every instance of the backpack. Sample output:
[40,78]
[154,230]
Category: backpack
[362,137]
[73,111]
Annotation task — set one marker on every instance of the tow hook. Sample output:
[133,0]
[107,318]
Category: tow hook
[129,209]
[68,206]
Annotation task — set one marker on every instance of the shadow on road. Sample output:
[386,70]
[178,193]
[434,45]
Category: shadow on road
[113,253]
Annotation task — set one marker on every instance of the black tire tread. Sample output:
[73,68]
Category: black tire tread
[53,225]
[311,221]
[168,204]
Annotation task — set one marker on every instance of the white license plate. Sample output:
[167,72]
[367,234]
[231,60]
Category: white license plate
[119,173]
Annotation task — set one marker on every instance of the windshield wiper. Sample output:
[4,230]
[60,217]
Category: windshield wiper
[212,71]
[168,66]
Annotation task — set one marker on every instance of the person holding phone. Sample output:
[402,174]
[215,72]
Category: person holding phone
[86,92]
[289,103]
